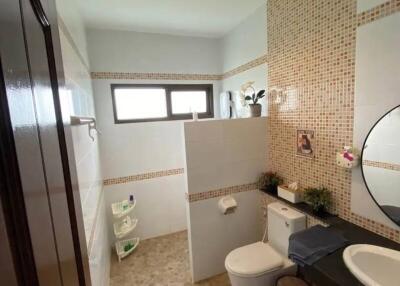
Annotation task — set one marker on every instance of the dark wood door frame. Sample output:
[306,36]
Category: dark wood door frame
[47,30]
[12,197]
[11,188]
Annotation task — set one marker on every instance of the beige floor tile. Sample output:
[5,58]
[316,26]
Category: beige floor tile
[161,261]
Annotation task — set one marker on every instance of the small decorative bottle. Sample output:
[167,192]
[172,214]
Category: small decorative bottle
[195,116]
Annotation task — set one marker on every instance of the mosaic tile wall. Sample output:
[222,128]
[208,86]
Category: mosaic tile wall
[311,58]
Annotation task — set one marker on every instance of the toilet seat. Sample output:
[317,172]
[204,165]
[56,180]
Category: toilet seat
[253,260]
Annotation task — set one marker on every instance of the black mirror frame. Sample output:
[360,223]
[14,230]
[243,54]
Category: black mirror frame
[361,163]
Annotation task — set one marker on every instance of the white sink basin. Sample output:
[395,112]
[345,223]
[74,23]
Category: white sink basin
[373,265]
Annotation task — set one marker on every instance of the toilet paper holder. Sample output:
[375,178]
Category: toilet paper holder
[227,205]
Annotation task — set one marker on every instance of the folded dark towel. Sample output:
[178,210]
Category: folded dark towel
[310,245]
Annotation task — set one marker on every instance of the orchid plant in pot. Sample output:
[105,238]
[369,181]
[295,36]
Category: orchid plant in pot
[255,107]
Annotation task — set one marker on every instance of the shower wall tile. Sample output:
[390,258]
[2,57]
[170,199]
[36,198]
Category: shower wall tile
[160,206]
[77,99]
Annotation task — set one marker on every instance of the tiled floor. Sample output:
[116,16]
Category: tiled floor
[157,262]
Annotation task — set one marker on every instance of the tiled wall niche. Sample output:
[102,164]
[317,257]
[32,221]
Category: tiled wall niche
[311,56]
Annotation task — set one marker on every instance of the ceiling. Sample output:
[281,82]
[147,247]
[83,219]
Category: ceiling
[203,18]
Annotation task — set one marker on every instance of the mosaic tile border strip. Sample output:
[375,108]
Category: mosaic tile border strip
[378,12]
[153,76]
[245,67]
[68,35]
[175,76]
[220,192]
[141,177]
[388,166]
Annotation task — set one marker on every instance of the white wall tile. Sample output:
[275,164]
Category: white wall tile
[243,172]
[77,99]
[206,178]
[136,148]
[235,155]
[99,260]
[160,204]
[213,235]
[203,130]
[203,154]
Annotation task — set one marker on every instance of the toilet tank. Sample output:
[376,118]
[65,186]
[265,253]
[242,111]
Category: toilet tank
[282,222]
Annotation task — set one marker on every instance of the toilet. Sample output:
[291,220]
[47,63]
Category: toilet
[260,264]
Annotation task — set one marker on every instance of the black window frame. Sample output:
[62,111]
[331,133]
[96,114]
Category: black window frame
[208,88]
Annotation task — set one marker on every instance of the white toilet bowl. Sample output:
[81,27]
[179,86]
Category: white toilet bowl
[257,264]
[260,264]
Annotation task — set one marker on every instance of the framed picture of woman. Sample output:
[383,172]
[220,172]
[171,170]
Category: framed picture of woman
[305,143]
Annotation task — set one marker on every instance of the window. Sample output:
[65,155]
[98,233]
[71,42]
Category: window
[140,103]
[159,102]
[188,101]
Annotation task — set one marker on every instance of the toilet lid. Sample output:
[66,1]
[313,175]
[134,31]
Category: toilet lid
[253,260]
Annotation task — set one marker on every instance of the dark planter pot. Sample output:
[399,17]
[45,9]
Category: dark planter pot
[255,110]
[319,211]
[271,189]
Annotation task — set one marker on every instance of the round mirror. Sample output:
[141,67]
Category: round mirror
[381,164]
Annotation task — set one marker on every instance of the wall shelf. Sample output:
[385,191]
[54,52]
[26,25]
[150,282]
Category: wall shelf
[126,247]
[125,227]
[123,208]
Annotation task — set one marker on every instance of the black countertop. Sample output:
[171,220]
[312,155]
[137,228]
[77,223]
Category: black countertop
[304,208]
[331,270]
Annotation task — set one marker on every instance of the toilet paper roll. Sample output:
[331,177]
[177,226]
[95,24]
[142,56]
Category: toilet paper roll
[227,205]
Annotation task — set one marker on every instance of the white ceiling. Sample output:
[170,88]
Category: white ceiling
[204,18]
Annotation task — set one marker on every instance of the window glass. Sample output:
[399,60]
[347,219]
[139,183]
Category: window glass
[188,101]
[140,103]
[161,102]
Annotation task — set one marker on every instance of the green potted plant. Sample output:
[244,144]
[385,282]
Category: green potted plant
[255,107]
[319,199]
[269,182]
